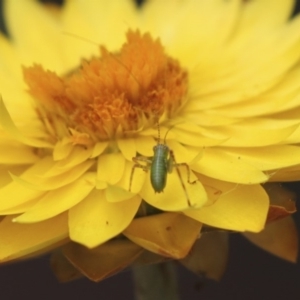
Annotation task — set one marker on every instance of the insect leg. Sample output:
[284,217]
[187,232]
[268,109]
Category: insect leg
[145,168]
[176,165]
[188,172]
[172,163]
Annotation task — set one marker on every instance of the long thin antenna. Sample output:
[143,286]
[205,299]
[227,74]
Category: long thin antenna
[167,133]
[78,37]
[158,135]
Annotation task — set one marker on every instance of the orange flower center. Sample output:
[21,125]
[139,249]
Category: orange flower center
[111,95]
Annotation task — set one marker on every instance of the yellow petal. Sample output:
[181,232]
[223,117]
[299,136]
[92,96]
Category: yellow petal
[127,148]
[55,182]
[231,77]
[19,240]
[283,96]
[243,209]
[133,184]
[21,208]
[10,127]
[144,145]
[259,132]
[220,164]
[200,138]
[62,149]
[267,158]
[94,220]
[5,170]
[19,194]
[178,194]
[40,26]
[98,149]
[103,261]
[116,194]
[279,238]
[167,234]
[12,153]
[188,18]
[77,156]
[110,168]
[82,21]
[262,17]
[9,64]
[59,200]
[185,154]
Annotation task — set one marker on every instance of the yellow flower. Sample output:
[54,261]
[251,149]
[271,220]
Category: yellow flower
[216,81]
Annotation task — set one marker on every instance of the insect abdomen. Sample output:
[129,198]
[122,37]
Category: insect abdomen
[159,168]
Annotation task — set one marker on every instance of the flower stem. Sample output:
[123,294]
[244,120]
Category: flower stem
[156,282]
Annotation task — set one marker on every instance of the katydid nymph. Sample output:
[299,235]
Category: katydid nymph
[160,164]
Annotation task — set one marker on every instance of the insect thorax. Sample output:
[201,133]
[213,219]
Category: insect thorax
[161,150]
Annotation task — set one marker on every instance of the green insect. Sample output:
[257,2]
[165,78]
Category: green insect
[160,164]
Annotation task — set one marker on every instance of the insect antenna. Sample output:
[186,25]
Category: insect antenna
[158,134]
[78,37]
[97,44]
[167,133]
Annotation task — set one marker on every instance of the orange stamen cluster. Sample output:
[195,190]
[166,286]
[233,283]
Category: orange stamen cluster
[112,94]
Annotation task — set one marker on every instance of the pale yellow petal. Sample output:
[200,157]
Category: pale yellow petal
[62,149]
[188,18]
[5,170]
[10,128]
[283,96]
[258,18]
[235,75]
[83,32]
[245,208]
[94,220]
[21,208]
[184,154]
[202,138]
[98,149]
[127,148]
[79,38]
[59,200]
[118,17]
[219,164]
[10,65]
[19,240]
[18,193]
[144,145]
[12,153]
[110,168]
[178,194]
[40,26]
[266,158]
[77,156]
[259,132]
[132,180]
[44,183]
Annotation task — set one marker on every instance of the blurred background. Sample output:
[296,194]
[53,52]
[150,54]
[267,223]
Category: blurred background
[251,274]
